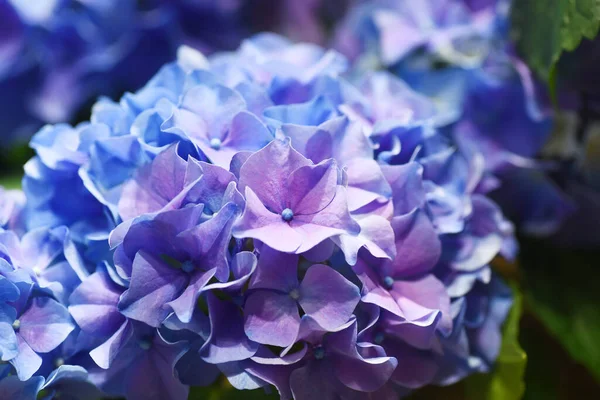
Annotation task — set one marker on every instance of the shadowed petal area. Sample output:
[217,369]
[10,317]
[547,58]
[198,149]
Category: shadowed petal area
[12,387]
[353,370]
[106,353]
[152,375]
[227,341]
[276,270]
[184,305]
[153,284]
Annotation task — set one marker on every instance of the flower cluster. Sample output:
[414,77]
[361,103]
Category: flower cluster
[254,215]
[58,56]
[458,53]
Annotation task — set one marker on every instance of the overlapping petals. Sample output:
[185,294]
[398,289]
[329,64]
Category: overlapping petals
[253,214]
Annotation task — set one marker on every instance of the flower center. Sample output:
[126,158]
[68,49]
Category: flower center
[188,266]
[319,352]
[287,215]
[379,338]
[215,143]
[16,325]
[59,362]
[144,344]
[388,281]
[295,294]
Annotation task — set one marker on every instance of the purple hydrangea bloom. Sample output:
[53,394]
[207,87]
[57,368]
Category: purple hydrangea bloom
[256,214]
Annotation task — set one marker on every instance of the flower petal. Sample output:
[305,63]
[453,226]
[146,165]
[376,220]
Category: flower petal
[327,296]
[271,318]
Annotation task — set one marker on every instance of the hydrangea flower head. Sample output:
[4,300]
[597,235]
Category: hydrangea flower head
[255,214]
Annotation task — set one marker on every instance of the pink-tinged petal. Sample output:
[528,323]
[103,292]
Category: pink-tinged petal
[271,318]
[421,298]
[328,297]
[373,291]
[276,270]
[418,247]
[93,305]
[227,341]
[366,183]
[331,221]
[154,185]
[420,334]
[267,171]
[259,223]
[27,362]
[184,305]
[153,284]
[45,324]
[105,354]
[311,188]
[376,235]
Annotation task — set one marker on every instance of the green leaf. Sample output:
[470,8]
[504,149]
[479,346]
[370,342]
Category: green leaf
[506,380]
[543,29]
[11,182]
[561,290]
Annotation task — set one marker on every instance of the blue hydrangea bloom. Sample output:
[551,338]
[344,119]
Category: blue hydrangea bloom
[255,214]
